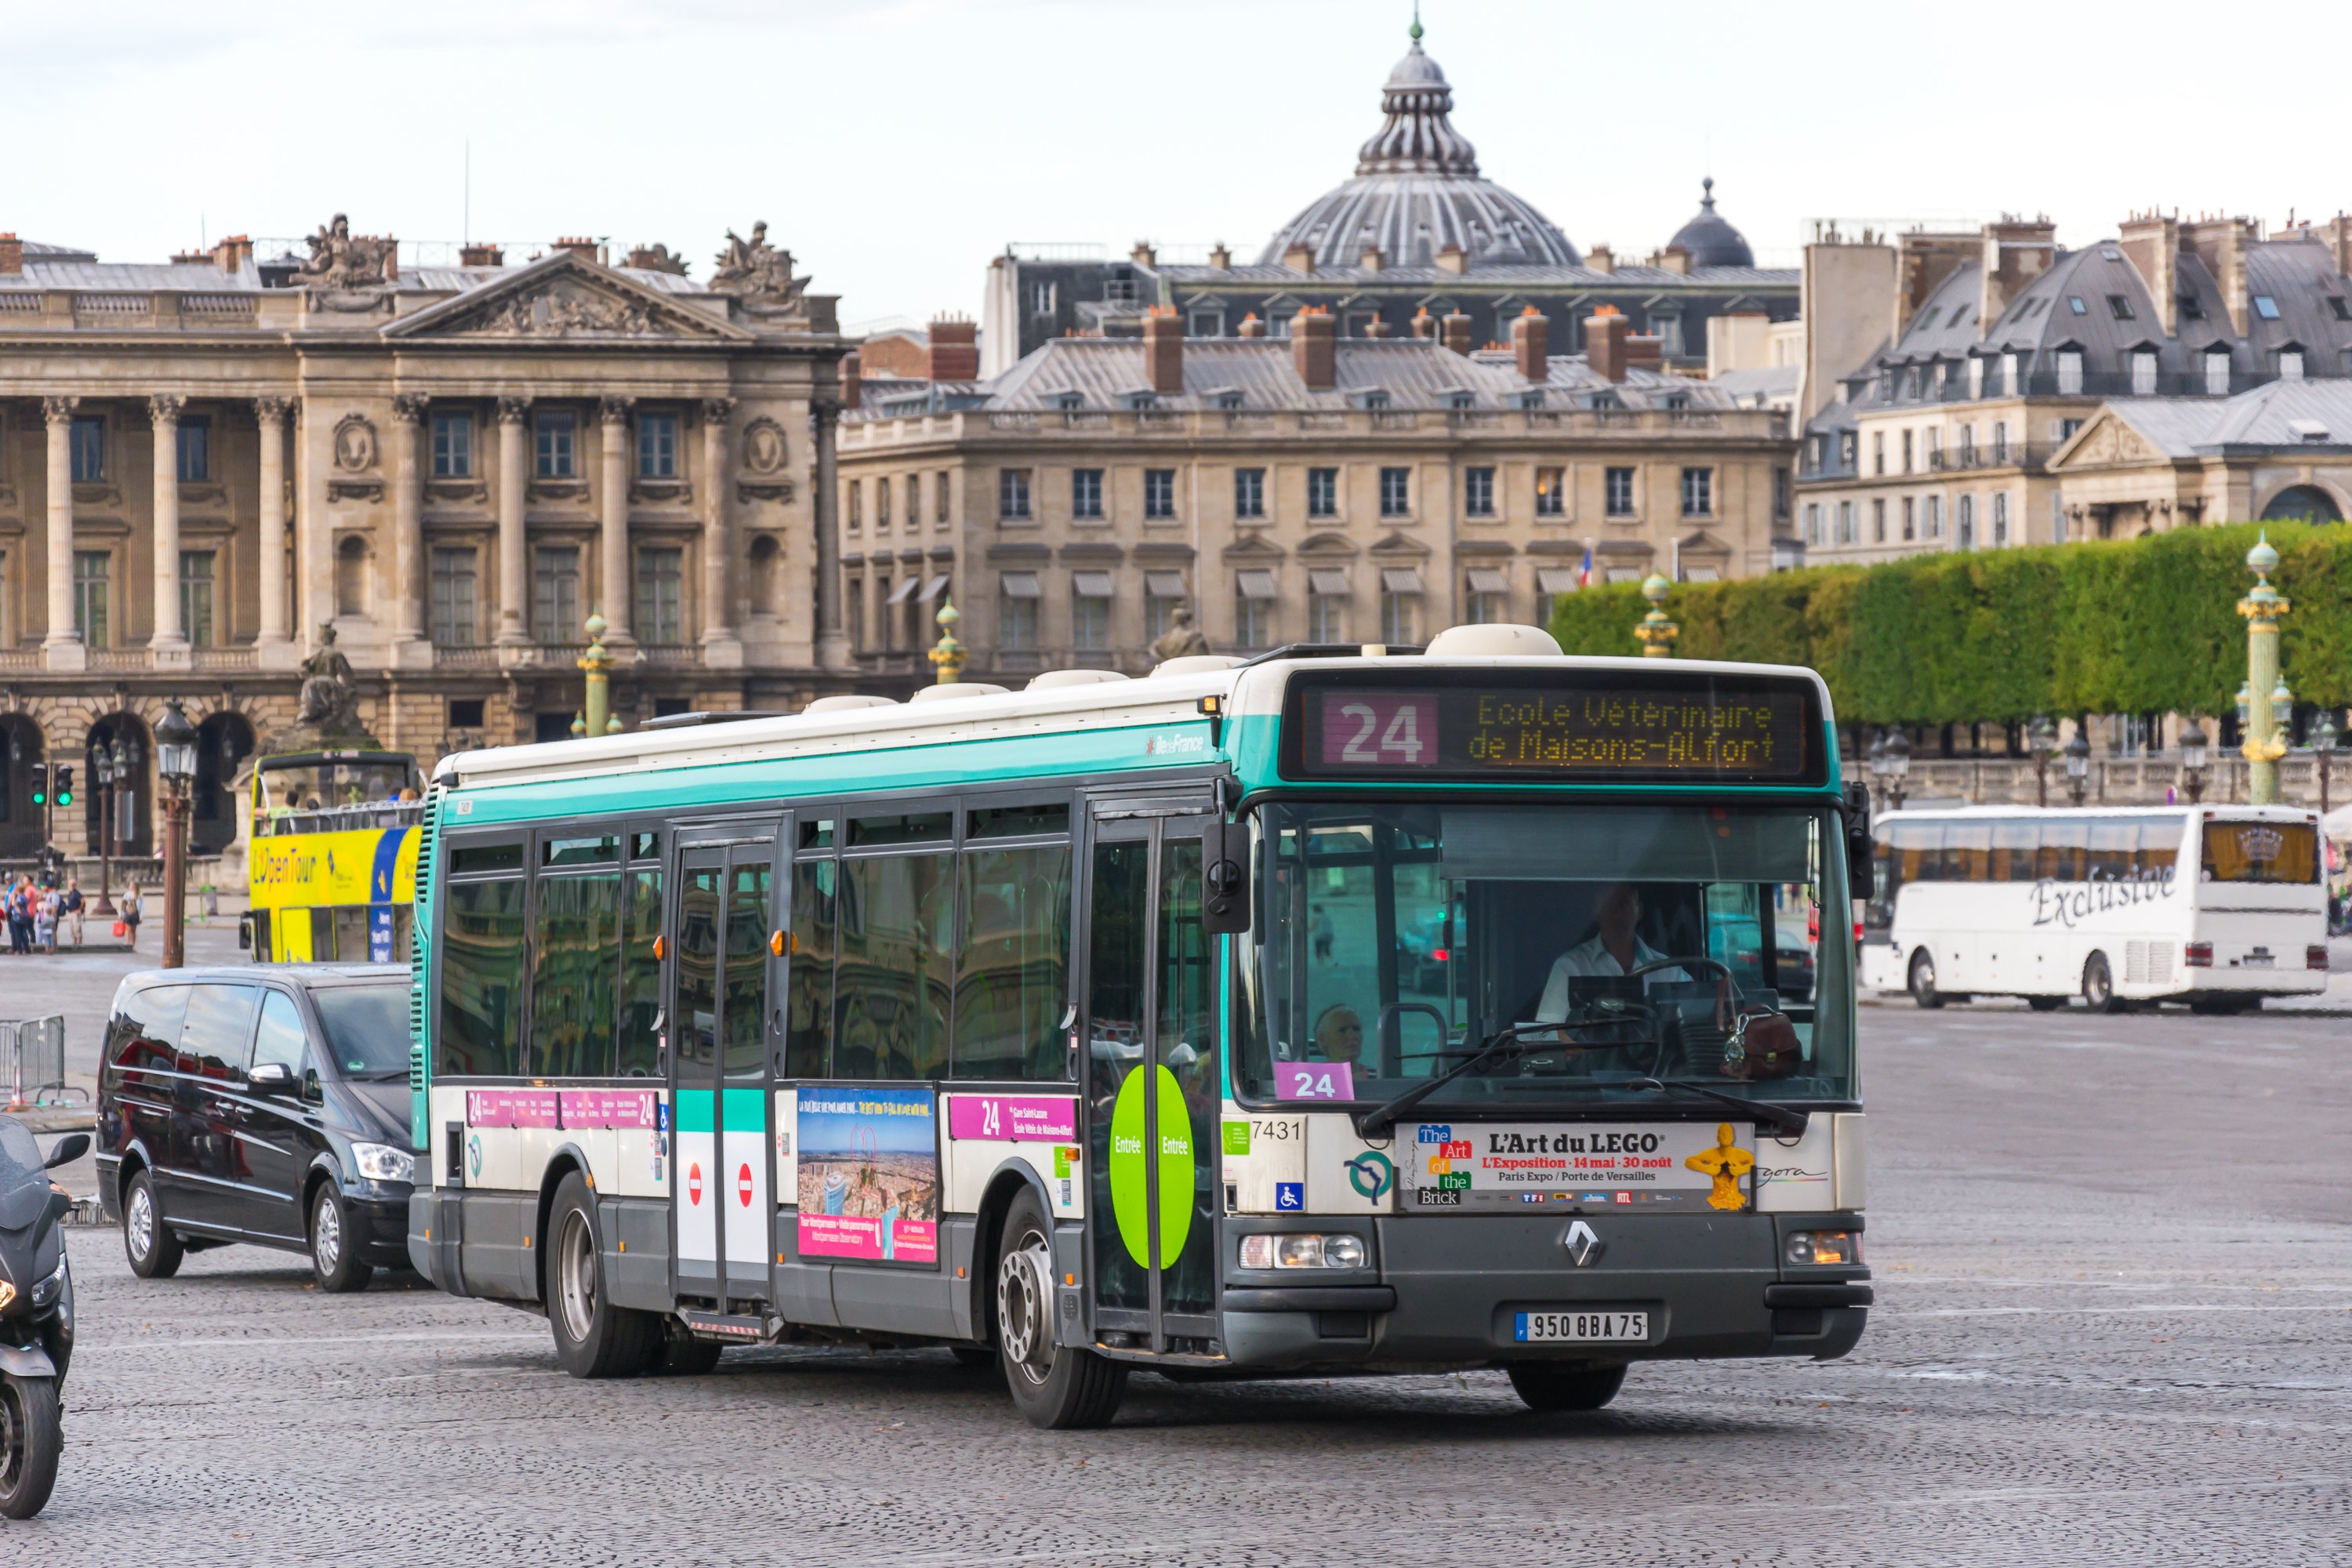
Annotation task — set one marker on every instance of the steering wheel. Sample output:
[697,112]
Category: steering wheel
[1656,1045]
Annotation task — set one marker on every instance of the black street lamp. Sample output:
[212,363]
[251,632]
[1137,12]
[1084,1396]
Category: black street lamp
[102,767]
[2078,767]
[2325,739]
[2042,741]
[2195,748]
[175,759]
[1898,768]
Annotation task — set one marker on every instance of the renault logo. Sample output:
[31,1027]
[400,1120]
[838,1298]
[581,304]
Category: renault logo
[1582,1245]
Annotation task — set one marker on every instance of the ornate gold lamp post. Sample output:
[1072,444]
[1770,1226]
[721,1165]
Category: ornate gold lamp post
[596,664]
[2264,607]
[947,657]
[1656,633]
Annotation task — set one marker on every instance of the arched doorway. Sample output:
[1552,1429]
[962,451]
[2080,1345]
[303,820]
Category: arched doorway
[132,799]
[2303,504]
[224,742]
[22,822]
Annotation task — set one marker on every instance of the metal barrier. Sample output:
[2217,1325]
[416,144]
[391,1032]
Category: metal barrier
[33,1054]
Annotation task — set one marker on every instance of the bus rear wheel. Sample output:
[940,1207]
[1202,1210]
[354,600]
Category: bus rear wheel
[1059,1388]
[2099,985]
[594,1338]
[1923,980]
[1551,1385]
[2046,1003]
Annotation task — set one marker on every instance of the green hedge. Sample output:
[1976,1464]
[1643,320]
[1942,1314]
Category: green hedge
[2132,625]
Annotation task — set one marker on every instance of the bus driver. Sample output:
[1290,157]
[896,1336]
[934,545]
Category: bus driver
[1613,949]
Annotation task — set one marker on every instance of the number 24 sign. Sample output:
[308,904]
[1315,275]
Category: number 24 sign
[1372,728]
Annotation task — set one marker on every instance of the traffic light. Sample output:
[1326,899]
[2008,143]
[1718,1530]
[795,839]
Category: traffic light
[64,784]
[40,783]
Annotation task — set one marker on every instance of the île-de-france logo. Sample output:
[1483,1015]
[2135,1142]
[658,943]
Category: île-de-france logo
[1369,1174]
[474,1154]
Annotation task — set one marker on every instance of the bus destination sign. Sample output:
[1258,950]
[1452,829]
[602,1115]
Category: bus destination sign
[1755,734]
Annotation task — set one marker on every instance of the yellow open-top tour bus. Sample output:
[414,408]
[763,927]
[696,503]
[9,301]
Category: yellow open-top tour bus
[332,857]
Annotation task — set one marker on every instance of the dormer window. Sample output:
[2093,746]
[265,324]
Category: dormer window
[2120,307]
[2266,308]
[1069,402]
[1532,397]
[1375,397]
[2216,373]
[2069,373]
[1458,398]
[1676,400]
[2143,373]
[1139,401]
[2075,303]
[2192,309]
[2343,312]
[2290,363]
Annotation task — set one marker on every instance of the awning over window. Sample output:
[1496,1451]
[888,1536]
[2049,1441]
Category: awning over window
[1626,573]
[935,588]
[1329,581]
[1165,584]
[904,591]
[1018,585]
[1255,586]
[1488,580]
[1556,579]
[1400,580]
[1701,574]
[1091,585]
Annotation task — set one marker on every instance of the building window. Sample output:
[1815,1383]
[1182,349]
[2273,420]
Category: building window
[2290,364]
[854,612]
[660,614]
[1090,595]
[1907,451]
[1255,592]
[2069,373]
[555,594]
[1878,521]
[1485,593]
[1968,519]
[1967,446]
[1780,504]
[1205,324]
[1619,491]
[1159,494]
[2143,374]
[1328,593]
[196,596]
[914,502]
[1848,449]
[1017,593]
[1976,376]
[453,446]
[88,448]
[657,445]
[1013,494]
[196,450]
[1551,491]
[1478,492]
[939,494]
[1698,492]
[2000,519]
[456,609]
[1399,606]
[854,503]
[1396,492]
[1813,523]
[1086,493]
[1846,523]
[1322,492]
[1040,299]
[1934,517]
[351,576]
[1249,492]
[1999,442]
[2217,376]
[92,569]
[1162,592]
[2120,307]
[557,432]
[1909,520]
[1878,451]
[2266,308]
[2057,518]
[882,506]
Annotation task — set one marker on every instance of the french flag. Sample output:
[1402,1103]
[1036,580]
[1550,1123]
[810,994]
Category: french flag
[1584,573]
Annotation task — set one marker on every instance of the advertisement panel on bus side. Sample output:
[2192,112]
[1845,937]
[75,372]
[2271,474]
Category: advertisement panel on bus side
[868,1179]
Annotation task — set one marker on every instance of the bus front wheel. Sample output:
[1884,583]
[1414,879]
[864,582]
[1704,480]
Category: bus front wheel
[2099,985]
[1923,980]
[1057,1387]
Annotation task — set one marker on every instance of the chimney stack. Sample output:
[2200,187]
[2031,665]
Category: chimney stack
[1452,257]
[1164,351]
[1299,258]
[1604,342]
[2337,232]
[2016,252]
[1142,254]
[1601,260]
[12,255]
[1531,345]
[1378,328]
[1250,326]
[1453,331]
[1644,351]
[1314,347]
[232,254]
[1220,258]
[1675,260]
[853,380]
[2221,244]
[2151,243]
[480,255]
[1374,259]
[580,246]
[1424,325]
[954,353]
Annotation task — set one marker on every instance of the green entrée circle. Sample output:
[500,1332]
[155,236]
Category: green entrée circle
[1130,1198]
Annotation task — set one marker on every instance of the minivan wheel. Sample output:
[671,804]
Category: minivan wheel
[2099,985]
[334,1250]
[155,1253]
[1553,1385]
[594,1338]
[1923,980]
[1058,1387]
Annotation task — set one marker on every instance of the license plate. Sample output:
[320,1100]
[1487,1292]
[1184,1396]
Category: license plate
[1573,1327]
[2258,959]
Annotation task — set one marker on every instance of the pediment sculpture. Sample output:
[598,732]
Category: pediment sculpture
[753,266]
[560,309]
[340,259]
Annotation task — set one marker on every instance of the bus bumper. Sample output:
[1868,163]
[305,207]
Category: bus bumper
[1449,1290]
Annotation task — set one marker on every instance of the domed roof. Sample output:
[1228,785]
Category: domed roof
[1417,189]
[1710,238]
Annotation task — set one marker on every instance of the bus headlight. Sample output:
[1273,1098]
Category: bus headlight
[383,1162]
[1818,1246]
[1308,1251]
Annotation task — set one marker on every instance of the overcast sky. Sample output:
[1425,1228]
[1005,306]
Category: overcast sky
[894,145]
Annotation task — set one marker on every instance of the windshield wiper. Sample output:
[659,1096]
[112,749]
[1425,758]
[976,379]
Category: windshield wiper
[1786,1122]
[1504,1044]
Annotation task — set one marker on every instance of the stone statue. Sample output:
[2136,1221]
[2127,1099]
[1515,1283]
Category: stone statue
[754,267]
[328,703]
[338,260]
[1181,640]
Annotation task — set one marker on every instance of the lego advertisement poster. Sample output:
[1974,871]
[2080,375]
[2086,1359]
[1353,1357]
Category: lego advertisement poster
[869,1174]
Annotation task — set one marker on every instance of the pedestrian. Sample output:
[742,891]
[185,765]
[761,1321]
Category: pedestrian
[70,907]
[130,916]
[45,922]
[1324,934]
[20,916]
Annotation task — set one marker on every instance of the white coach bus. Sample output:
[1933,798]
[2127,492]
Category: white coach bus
[2217,906]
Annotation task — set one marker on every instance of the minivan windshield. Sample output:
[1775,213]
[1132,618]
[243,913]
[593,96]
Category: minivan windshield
[367,1028]
[1393,943]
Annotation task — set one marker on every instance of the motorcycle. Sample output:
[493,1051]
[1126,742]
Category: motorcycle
[36,1315]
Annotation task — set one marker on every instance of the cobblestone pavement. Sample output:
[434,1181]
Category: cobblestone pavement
[2116,1301]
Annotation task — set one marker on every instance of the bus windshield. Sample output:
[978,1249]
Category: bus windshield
[1393,943]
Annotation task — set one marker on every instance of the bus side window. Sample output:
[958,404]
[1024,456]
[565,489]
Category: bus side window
[482,953]
[2063,842]
[640,1045]
[2013,849]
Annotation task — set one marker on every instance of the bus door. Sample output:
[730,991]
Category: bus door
[721,1077]
[1153,1087]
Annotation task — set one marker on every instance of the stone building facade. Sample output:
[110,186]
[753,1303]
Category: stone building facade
[209,467]
[1310,488]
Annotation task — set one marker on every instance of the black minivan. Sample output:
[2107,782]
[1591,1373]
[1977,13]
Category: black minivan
[269,1106]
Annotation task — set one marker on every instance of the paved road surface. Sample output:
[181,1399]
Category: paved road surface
[2116,1302]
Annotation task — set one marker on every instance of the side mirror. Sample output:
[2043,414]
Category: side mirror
[67,1150]
[270,1078]
[1225,877]
[1859,848]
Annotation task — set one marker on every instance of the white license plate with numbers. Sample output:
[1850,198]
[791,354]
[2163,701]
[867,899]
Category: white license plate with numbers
[1587,1328]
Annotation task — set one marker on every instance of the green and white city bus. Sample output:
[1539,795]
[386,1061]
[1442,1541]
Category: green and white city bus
[1343,1010]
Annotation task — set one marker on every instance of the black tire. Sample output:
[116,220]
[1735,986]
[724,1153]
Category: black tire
[2099,985]
[674,1353]
[334,1261]
[1923,980]
[974,1357]
[1058,1388]
[594,1338]
[29,1442]
[154,1252]
[1551,1385]
[2046,1003]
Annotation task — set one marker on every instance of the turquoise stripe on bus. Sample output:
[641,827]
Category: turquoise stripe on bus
[697,1111]
[747,1109]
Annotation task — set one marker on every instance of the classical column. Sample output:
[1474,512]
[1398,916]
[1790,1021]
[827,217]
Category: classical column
[62,644]
[832,640]
[407,520]
[514,576]
[269,413]
[169,637]
[719,646]
[612,541]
